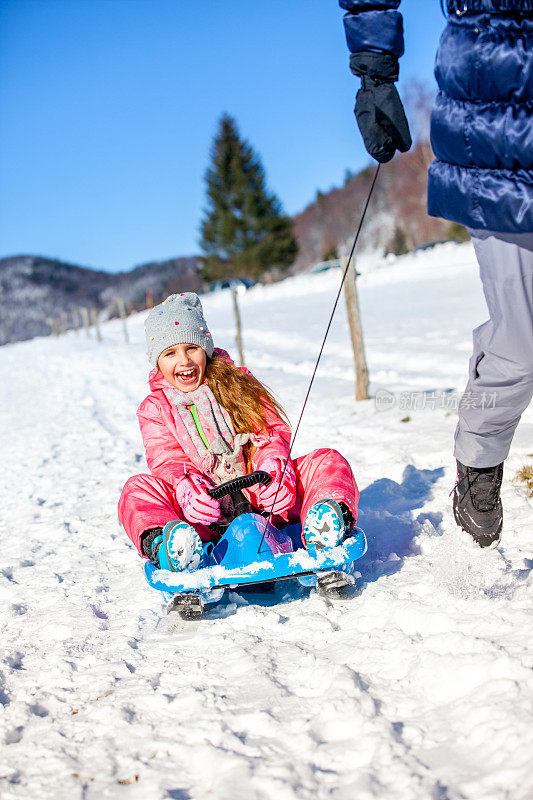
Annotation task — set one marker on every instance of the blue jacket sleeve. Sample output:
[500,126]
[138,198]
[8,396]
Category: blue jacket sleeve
[373,25]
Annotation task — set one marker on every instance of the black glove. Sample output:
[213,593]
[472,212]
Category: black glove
[378,108]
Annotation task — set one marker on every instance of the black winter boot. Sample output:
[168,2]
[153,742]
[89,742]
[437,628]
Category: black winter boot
[150,546]
[476,503]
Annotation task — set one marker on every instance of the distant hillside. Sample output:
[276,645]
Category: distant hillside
[396,212]
[34,289]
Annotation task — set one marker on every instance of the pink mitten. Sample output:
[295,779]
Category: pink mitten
[285,488]
[196,504]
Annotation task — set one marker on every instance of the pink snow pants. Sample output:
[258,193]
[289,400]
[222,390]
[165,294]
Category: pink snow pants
[148,502]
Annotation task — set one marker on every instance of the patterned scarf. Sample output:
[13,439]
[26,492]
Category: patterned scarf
[223,459]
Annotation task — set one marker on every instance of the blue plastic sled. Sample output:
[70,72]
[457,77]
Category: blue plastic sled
[252,551]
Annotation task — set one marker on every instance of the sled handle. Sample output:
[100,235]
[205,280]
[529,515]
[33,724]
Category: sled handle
[233,489]
[235,485]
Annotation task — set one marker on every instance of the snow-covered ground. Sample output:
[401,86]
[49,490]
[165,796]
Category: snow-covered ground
[418,686]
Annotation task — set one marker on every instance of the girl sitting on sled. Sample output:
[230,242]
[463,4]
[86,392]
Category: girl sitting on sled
[205,422]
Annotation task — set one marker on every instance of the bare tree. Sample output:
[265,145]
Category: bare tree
[419,97]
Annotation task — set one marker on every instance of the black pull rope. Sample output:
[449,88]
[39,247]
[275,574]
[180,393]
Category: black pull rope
[321,351]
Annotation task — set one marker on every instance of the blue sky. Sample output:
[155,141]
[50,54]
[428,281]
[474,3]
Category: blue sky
[108,109]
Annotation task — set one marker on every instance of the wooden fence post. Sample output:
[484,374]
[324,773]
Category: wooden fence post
[75,320]
[95,322]
[85,317]
[123,316]
[238,331]
[356,330]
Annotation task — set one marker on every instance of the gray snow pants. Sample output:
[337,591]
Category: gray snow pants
[500,384]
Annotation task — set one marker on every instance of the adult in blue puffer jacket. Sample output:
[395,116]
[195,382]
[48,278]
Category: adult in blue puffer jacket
[482,136]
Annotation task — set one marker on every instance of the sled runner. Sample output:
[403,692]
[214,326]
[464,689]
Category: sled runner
[252,551]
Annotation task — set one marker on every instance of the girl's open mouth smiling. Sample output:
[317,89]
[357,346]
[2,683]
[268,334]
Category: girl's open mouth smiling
[187,376]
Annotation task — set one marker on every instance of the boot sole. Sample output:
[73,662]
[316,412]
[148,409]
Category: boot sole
[167,532]
[335,510]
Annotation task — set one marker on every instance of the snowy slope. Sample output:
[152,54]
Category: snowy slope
[419,686]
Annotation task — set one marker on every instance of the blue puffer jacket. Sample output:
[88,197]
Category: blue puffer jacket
[482,121]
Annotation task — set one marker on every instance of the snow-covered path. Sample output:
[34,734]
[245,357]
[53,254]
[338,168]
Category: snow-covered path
[419,686]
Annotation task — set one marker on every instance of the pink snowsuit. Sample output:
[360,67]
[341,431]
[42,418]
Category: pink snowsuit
[149,501]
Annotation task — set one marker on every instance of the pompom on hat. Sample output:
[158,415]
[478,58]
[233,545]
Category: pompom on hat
[177,320]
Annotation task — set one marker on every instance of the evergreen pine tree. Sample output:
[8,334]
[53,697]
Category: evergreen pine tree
[244,230]
[398,244]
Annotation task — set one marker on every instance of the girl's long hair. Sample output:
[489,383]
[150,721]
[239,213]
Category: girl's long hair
[243,397]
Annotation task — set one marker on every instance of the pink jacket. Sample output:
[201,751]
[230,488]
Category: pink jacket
[166,457]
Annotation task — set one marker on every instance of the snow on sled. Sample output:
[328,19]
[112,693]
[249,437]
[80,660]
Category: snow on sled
[252,551]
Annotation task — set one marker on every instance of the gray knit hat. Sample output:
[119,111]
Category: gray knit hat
[178,320]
